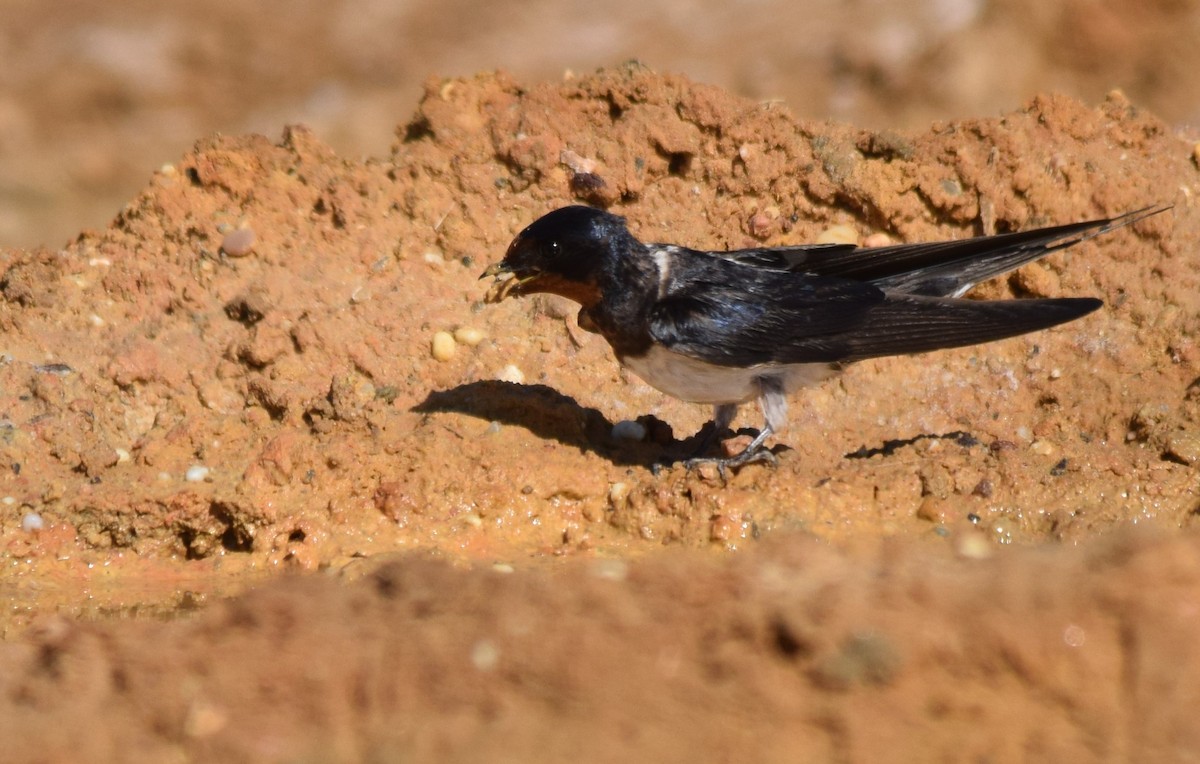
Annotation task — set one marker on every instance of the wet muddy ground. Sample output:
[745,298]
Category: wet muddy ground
[980,553]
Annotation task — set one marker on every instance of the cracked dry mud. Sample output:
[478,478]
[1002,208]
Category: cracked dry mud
[943,563]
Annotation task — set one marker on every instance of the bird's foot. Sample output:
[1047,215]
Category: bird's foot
[752,454]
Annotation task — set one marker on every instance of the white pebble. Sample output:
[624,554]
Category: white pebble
[475,521]
[443,346]
[838,234]
[612,570]
[973,546]
[629,430]
[122,455]
[511,373]
[197,473]
[617,493]
[1042,448]
[576,163]
[1074,636]
[485,655]
[469,335]
[8,500]
[31,522]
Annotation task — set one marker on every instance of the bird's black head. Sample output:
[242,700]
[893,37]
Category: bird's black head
[565,252]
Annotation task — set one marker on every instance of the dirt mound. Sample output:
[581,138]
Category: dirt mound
[239,375]
[97,94]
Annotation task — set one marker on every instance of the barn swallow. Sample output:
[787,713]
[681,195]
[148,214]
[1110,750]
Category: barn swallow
[724,328]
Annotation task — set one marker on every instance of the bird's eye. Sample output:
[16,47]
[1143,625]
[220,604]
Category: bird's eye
[553,249]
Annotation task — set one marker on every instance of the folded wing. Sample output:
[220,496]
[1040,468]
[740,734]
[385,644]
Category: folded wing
[750,316]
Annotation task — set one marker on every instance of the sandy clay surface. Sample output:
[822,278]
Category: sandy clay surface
[985,554]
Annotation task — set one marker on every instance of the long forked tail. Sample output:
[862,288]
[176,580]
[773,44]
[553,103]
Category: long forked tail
[906,324]
[950,268]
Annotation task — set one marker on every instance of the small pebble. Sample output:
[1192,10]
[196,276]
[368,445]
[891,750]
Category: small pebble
[32,522]
[239,242]
[122,455]
[629,430]
[469,336]
[473,520]
[983,488]
[511,373]
[1042,448]
[935,510]
[8,500]
[485,655]
[196,473]
[443,346]
[576,163]
[611,570]
[617,493]
[1074,636]
[838,234]
[973,546]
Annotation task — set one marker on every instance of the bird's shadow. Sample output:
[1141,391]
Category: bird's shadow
[890,447]
[547,413]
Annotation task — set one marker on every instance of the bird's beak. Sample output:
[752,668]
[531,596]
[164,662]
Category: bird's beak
[508,282]
[495,269]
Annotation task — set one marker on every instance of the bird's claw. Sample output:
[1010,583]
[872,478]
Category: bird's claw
[723,465]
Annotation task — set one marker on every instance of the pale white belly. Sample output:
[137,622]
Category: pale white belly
[698,382]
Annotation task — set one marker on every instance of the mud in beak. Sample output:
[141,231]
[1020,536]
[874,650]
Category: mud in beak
[507,282]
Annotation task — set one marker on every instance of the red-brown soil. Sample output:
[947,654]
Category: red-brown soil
[942,565]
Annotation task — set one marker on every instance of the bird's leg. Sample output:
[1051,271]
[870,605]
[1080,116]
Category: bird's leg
[723,415]
[774,406]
